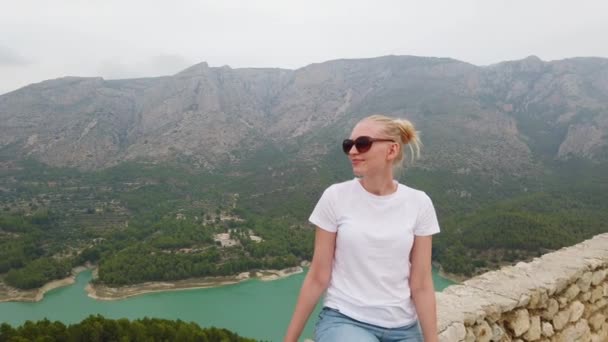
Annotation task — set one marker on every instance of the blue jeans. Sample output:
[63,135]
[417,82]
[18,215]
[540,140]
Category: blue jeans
[333,326]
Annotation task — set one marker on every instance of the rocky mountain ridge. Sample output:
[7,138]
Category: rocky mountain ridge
[506,117]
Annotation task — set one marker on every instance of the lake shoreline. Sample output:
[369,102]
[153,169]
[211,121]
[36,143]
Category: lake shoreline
[455,278]
[107,293]
[12,294]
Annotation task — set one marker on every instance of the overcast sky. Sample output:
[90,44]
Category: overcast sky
[133,38]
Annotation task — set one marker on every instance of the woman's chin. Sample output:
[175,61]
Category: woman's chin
[358,171]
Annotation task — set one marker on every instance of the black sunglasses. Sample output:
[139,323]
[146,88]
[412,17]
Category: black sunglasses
[362,143]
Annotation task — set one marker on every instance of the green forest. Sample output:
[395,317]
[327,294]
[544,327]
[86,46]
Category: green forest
[141,222]
[100,329]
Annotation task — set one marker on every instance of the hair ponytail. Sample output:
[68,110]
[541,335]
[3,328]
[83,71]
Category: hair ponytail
[409,136]
[402,131]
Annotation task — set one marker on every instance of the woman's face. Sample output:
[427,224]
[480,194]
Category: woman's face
[380,155]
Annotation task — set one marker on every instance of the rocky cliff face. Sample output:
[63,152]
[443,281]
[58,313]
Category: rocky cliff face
[503,118]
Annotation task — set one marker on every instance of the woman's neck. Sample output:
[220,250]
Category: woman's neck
[380,185]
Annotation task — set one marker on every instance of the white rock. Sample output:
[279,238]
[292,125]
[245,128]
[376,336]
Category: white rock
[561,319]
[547,329]
[534,300]
[518,321]
[576,311]
[572,291]
[470,335]
[544,298]
[524,299]
[497,332]
[454,332]
[552,309]
[563,301]
[598,277]
[596,294]
[493,315]
[585,281]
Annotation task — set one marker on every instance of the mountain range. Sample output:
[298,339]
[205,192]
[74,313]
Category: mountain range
[504,118]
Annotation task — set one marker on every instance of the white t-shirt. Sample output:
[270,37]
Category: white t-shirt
[375,234]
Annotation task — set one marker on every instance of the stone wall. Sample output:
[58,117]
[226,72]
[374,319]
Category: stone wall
[561,296]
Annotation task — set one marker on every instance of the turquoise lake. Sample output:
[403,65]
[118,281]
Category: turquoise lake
[254,308]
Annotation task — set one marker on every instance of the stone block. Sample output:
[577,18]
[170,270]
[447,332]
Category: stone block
[544,298]
[590,309]
[497,332]
[571,292]
[598,277]
[534,300]
[518,321]
[575,332]
[470,337]
[552,309]
[585,281]
[547,329]
[563,302]
[596,321]
[584,297]
[454,332]
[596,294]
[468,305]
[534,332]
[576,311]
[561,319]
[483,332]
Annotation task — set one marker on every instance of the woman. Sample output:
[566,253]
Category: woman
[372,250]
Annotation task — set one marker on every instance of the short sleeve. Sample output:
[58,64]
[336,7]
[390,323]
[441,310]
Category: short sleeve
[427,223]
[324,215]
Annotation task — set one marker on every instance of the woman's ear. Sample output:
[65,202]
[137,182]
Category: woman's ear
[392,152]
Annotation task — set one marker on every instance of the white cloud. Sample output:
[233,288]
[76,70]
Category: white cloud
[9,57]
[114,38]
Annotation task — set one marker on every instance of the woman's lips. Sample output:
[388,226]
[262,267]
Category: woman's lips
[356,161]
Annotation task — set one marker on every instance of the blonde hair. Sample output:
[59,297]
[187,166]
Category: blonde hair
[402,131]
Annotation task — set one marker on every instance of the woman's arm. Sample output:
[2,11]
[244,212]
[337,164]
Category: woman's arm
[421,285]
[315,283]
